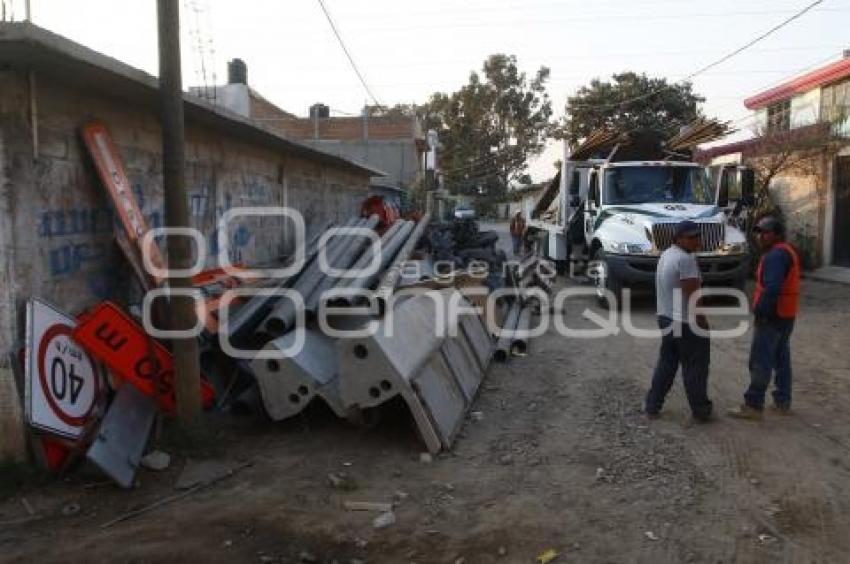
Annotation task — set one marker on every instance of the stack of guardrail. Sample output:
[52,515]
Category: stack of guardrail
[414,348]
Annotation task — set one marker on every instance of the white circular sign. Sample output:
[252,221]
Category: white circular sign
[67,376]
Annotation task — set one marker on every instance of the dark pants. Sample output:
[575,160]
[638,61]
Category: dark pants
[693,353]
[770,351]
[517,240]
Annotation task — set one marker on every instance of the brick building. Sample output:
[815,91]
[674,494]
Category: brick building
[393,145]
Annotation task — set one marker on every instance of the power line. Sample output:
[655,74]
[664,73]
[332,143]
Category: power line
[347,53]
[711,65]
[476,23]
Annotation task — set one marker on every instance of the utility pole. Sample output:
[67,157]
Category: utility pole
[187,368]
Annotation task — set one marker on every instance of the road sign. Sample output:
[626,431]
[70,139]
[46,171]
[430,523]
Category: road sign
[62,382]
[122,345]
[110,169]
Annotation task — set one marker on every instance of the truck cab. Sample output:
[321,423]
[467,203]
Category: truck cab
[618,217]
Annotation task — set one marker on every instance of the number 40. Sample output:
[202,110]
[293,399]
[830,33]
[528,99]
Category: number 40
[59,376]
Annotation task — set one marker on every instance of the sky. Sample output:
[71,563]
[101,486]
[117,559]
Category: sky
[407,50]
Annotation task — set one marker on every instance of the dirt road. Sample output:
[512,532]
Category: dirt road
[559,457]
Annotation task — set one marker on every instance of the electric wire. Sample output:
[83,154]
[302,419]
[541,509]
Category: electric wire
[709,66]
[347,52]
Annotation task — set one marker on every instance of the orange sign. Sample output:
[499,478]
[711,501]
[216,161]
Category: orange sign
[116,340]
[110,169]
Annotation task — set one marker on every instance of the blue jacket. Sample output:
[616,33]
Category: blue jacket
[775,266]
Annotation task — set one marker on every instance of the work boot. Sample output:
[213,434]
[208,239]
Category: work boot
[702,418]
[781,409]
[746,412]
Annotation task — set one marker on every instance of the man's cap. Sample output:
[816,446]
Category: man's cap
[685,228]
[769,224]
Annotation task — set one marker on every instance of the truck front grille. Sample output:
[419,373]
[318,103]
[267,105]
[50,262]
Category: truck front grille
[713,234]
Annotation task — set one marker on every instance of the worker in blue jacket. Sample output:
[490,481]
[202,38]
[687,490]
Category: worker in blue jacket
[775,305]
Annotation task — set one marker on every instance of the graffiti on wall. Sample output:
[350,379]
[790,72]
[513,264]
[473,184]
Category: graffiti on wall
[79,240]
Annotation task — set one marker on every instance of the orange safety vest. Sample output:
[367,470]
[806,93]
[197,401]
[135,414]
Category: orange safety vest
[788,302]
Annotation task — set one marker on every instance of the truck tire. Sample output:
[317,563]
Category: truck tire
[605,280]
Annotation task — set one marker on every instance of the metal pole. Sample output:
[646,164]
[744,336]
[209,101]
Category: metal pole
[186,360]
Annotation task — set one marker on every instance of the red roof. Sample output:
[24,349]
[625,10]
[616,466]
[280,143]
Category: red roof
[819,77]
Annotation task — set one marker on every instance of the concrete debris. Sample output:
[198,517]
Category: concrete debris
[156,460]
[651,536]
[198,472]
[71,509]
[426,458]
[384,520]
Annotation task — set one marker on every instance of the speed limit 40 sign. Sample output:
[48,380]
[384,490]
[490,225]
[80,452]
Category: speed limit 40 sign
[63,383]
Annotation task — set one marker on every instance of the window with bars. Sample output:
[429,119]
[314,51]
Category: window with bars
[779,116]
[835,102]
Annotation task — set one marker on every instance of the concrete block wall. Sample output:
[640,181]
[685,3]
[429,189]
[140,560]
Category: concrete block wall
[56,223]
[399,159]
[349,128]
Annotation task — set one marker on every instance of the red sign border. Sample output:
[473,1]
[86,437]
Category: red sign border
[54,331]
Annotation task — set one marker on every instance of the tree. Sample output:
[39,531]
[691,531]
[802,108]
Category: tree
[490,127]
[630,102]
[773,154]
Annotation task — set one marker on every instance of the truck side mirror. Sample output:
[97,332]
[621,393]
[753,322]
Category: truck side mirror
[748,186]
[575,184]
[723,193]
[593,190]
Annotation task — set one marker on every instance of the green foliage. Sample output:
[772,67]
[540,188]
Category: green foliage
[490,127]
[630,102]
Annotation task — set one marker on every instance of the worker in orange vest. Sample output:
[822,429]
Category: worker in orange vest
[775,304]
[517,232]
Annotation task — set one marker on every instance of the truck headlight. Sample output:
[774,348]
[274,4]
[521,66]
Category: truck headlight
[620,248]
[734,248]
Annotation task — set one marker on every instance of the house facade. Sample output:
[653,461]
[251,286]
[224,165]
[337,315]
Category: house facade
[808,119]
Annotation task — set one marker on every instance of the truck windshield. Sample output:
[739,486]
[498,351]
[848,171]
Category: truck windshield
[656,184]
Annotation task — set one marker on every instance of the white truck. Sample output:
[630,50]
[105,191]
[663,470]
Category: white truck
[620,216]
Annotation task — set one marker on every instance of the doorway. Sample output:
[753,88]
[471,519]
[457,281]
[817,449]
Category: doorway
[841,230]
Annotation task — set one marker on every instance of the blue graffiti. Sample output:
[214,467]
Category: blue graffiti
[140,195]
[75,221]
[69,259]
[242,236]
[240,239]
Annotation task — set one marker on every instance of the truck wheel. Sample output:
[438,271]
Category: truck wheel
[606,280]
